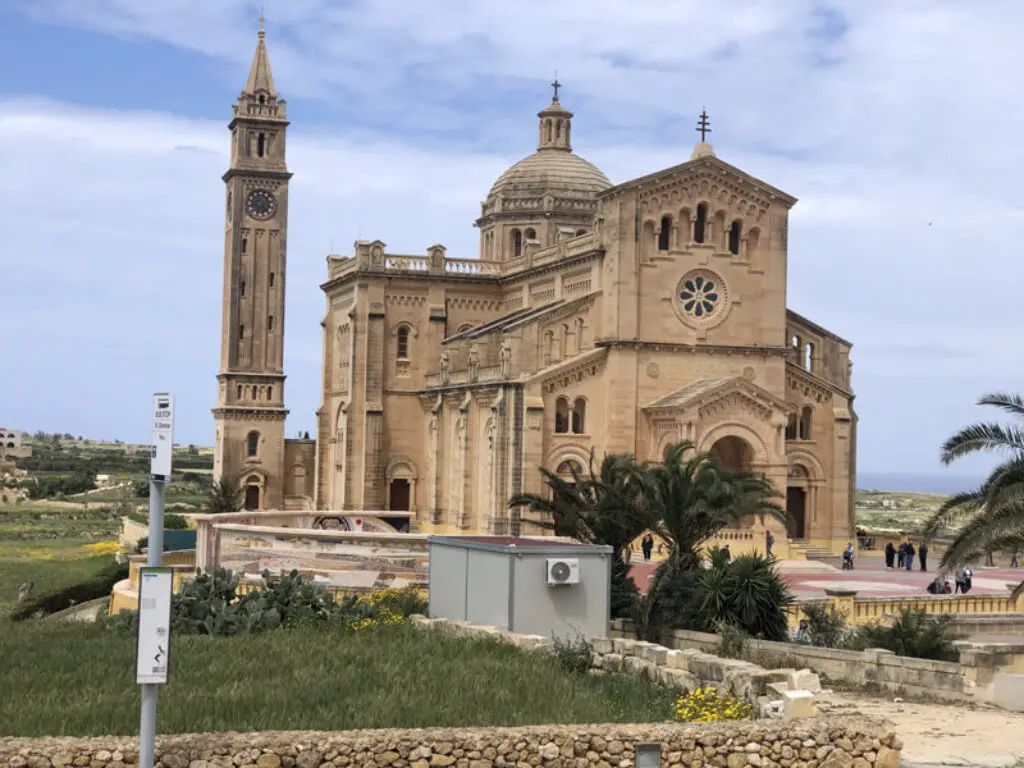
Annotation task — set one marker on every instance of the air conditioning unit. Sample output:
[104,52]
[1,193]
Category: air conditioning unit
[563,571]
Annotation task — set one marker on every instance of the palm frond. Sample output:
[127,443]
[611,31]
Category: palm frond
[1009,401]
[979,438]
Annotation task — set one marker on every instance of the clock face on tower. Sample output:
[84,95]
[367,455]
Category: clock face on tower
[260,204]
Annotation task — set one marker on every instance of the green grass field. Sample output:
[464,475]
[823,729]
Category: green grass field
[52,565]
[77,680]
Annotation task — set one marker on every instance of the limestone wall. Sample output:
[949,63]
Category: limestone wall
[941,679]
[818,742]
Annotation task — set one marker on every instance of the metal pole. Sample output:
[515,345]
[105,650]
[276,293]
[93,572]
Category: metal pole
[147,723]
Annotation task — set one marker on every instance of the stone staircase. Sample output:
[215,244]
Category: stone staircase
[822,555]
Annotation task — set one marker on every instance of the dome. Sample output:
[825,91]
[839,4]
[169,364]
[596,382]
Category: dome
[559,173]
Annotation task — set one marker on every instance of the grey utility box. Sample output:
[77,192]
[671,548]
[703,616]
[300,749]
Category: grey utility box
[527,586]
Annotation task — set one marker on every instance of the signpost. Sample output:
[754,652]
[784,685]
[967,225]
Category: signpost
[153,645]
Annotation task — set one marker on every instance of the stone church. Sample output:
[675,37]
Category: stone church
[596,317]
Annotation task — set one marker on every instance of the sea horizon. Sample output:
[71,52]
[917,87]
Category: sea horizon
[916,482]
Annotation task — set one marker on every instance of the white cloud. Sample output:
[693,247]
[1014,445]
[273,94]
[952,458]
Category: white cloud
[895,124]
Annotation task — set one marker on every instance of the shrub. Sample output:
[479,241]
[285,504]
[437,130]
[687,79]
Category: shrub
[574,656]
[624,592]
[912,633]
[175,522]
[745,592]
[826,626]
[404,601]
[707,705]
[91,589]
[733,640]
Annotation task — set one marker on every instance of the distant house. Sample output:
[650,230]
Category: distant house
[12,443]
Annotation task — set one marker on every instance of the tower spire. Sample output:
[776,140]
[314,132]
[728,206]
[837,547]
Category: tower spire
[555,123]
[260,78]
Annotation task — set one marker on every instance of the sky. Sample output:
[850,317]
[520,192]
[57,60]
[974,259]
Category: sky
[897,125]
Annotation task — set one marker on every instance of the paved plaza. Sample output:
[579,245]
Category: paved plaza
[870,578]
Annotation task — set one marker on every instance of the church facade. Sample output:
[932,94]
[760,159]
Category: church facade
[596,318]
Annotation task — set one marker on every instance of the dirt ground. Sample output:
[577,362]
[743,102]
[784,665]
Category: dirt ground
[938,734]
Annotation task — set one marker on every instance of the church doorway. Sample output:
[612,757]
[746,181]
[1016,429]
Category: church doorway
[252,497]
[796,508]
[797,491]
[733,452]
[399,496]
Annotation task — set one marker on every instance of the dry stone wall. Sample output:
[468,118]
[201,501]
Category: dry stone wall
[814,743]
[770,691]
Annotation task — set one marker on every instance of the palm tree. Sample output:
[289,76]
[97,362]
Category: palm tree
[994,512]
[693,497]
[597,508]
[225,495]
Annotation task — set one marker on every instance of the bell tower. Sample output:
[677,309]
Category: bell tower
[250,415]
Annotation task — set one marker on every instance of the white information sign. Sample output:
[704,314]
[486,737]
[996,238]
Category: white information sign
[163,434]
[154,640]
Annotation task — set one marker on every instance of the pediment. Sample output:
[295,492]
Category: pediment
[706,176]
[709,397]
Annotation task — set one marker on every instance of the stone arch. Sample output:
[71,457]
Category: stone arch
[804,476]
[564,453]
[254,486]
[400,476]
[742,431]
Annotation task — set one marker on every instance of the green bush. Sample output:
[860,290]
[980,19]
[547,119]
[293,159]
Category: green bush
[624,592]
[574,656]
[733,640]
[826,628]
[745,593]
[912,633]
[82,592]
[175,522]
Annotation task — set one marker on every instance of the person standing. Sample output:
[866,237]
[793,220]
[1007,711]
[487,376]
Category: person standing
[910,555]
[728,554]
[769,541]
[890,555]
[1013,560]
[647,545]
[922,555]
[960,579]
[901,554]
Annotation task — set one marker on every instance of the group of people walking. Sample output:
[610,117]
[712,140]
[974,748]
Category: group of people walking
[903,556]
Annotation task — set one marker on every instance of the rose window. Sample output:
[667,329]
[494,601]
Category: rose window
[699,296]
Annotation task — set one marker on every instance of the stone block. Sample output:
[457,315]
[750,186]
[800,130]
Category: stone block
[624,646]
[798,704]
[708,668]
[678,678]
[1008,691]
[805,680]
[601,645]
[656,654]
[775,690]
[612,662]
[677,660]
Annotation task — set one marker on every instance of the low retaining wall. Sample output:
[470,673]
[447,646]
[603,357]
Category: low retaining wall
[684,670]
[812,743]
[939,679]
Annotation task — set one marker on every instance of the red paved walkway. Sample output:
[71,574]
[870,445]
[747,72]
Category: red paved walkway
[870,578]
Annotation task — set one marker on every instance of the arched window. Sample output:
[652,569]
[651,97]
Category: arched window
[809,356]
[270,393]
[791,427]
[806,414]
[261,141]
[648,241]
[579,415]
[547,123]
[270,322]
[262,98]
[561,415]
[665,234]
[795,342]
[241,332]
[700,224]
[734,237]
[239,391]
[753,238]
[558,129]
[241,289]
[252,444]
[245,244]
[403,343]
[517,243]
[568,467]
